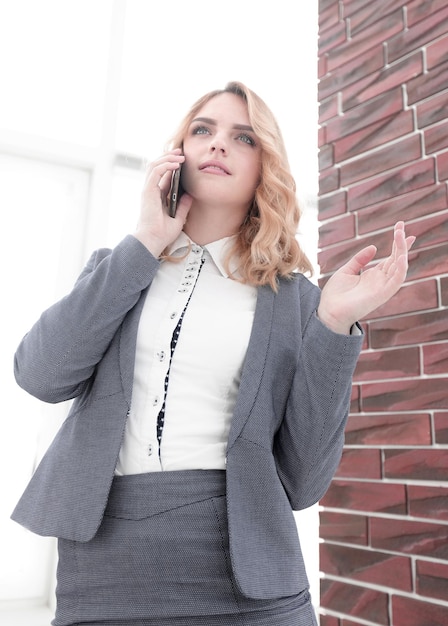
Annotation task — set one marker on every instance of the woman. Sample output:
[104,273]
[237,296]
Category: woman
[211,383]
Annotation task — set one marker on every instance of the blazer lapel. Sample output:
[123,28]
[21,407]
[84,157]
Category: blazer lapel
[255,361]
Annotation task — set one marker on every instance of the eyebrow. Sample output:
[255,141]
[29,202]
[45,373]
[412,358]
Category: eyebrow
[209,120]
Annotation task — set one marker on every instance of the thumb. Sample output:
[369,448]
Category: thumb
[360,260]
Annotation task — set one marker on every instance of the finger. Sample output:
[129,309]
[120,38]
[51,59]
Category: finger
[165,182]
[410,242]
[157,172]
[172,157]
[396,276]
[183,208]
[398,248]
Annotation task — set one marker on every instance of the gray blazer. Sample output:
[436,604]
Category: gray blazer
[286,435]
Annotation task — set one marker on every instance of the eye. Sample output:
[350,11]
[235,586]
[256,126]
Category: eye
[200,130]
[247,139]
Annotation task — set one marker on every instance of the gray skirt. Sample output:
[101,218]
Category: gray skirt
[161,558]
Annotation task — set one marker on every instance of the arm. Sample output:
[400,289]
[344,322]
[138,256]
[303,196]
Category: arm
[58,356]
[60,352]
[309,443]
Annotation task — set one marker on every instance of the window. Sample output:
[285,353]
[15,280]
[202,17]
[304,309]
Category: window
[44,211]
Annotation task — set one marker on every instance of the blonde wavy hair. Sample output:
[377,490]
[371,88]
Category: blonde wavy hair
[266,242]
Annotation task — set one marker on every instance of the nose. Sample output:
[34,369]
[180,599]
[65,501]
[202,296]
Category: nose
[218,144]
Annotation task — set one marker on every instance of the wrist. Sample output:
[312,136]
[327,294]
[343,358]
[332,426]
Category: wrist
[337,326]
[152,243]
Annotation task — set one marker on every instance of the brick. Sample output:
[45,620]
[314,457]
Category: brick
[325,4]
[428,84]
[321,136]
[371,37]
[441,428]
[423,328]
[428,502]
[338,229]
[385,364]
[329,180]
[356,69]
[332,204]
[429,262]
[388,429]
[326,158]
[374,135]
[405,395]
[360,464]
[405,207]
[365,496]
[432,110]
[382,159]
[420,34]
[365,565]
[332,37]
[436,138]
[382,107]
[437,53]
[329,16]
[410,537]
[442,166]
[378,82]
[417,612]
[418,10]
[410,298]
[420,464]
[322,66]
[344,527]
[328,620]
[328,108]
[392,184]
[366,604]
[430,231]
[435,358]
[350,7]
[432,579]
[444,290]
[369,14]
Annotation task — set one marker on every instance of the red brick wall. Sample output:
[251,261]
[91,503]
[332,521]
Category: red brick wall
[383,91]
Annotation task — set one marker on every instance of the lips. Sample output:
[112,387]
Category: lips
[214,167]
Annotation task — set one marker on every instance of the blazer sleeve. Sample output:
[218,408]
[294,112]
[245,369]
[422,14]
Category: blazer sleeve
[59,354]
[309,442]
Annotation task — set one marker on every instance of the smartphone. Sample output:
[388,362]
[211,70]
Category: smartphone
[175,191]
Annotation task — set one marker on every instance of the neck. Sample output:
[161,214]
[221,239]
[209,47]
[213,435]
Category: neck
[204,225]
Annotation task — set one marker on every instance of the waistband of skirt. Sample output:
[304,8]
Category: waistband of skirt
[141,495]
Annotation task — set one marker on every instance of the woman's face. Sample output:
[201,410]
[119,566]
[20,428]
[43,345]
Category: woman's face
[222,154]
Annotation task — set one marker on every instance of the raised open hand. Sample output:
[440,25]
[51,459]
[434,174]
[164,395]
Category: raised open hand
[353,291]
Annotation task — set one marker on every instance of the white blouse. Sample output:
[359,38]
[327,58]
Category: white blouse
[197,388]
